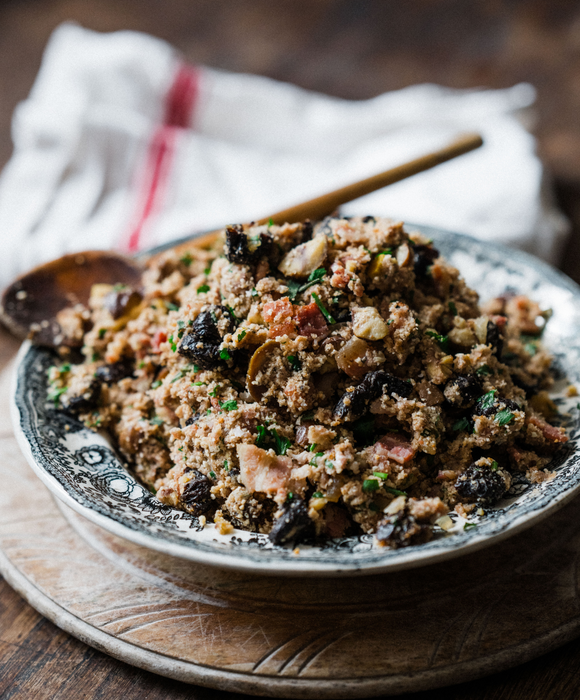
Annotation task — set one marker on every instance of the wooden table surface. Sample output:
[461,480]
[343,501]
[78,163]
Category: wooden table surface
[349,48]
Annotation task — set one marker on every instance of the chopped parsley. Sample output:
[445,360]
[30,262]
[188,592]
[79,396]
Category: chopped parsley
[370,485]
[203,288]
[102,332]
[172,343]
[322,308]
[198,384]
[156,383]
[214,391]
[290,496]
[395,492]
[255,292]
[171,306]
[55,394]
[531,348]
[295,288]
[226,467]
[269,438]
[317,494]
[241,335]
[294,362]
[196,368]
[494,466]
[230,405]
[186,259]
[179,375]
[452,308]
[504,417]
[312,447]
[483,371]
[468,526]
[270,222]
[461,424]
[328,464]
[381,475]
[225,355]
[212,474]
[442,340]
[487,400]
[156,420]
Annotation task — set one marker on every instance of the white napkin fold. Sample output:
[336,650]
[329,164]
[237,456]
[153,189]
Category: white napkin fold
[122,145]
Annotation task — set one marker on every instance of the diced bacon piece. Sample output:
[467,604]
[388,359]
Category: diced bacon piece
[263,472]
[340,276]
[279,311]
[158,338]
[281,329]
[310,321]
[549,431]
[395,447]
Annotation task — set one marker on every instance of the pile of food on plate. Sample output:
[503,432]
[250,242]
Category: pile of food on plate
[315,381]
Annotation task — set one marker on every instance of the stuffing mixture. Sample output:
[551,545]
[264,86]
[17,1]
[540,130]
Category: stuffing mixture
[314,381]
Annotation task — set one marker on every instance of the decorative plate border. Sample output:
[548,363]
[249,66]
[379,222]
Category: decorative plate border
[81,468]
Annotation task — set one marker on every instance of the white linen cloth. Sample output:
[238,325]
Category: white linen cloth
[121,145]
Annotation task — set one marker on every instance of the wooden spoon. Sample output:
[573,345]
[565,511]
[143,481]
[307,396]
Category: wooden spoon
[30,304]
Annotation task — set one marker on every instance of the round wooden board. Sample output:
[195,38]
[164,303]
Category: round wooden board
[288,637]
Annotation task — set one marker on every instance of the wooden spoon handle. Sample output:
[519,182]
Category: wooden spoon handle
[319,207]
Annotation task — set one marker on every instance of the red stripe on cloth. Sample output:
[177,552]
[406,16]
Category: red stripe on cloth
[179,106]
[182,97]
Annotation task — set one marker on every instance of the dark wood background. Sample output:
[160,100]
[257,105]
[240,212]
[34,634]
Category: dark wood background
[349,48]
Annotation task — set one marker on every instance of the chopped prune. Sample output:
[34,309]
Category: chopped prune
[481,484]
[369,219]
[202,343]
[343,316]
[307,230]
[120,302]
[425,256]
[292,525]
[115,371]
[86,401]
[402,530]
[354,404]
[494,338]
[462,391]
[244,250]
[196,496]
[193,419]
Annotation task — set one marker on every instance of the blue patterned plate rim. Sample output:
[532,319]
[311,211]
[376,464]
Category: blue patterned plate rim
[82,469]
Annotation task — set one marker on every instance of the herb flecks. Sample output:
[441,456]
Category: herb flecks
[322,308]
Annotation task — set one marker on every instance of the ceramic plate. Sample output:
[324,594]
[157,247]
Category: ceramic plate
[82,469]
